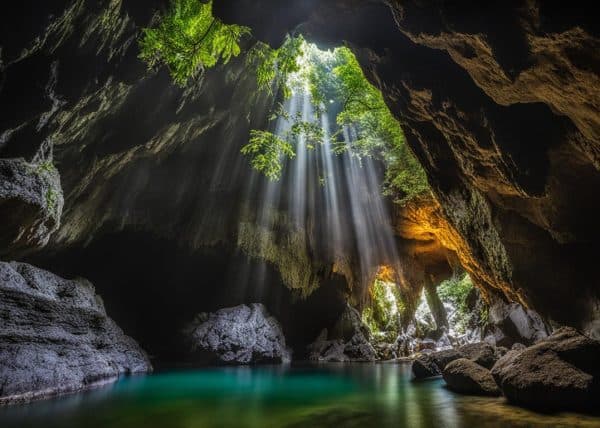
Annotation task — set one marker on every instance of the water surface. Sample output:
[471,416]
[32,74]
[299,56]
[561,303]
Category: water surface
[331,395]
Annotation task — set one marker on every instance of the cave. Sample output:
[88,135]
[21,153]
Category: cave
[302,213]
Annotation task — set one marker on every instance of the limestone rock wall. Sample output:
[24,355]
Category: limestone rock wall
[55,336]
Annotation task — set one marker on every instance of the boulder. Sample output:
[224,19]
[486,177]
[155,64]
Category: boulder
[55,336]
[467,377]
[559,372]
[348,340]
[513,323]
[242,334]
[481,353]
[432,364]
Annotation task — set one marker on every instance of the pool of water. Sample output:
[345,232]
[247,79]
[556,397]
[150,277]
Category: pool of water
[332,395]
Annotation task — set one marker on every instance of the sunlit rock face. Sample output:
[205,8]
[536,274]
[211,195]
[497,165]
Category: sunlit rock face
[500,106]
[243,334]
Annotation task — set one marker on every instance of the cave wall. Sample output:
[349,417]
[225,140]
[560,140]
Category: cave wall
[153,180]
[500,104]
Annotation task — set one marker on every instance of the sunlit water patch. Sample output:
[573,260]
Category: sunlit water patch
[356,395]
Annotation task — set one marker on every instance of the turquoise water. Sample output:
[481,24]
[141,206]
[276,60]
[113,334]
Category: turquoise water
[332,395]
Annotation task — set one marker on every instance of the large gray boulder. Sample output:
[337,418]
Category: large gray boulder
[560,372]
[239,335]
[512,323]
[31,203]
[348,340]
[55,336]
[467,377]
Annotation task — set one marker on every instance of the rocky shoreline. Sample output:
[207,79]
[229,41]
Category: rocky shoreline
[56,338]
[559,372]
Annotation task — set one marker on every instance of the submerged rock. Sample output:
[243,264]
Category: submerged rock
[31,202]
[468,377]
[560,372]
[348,340]
[55,336]
[242,334]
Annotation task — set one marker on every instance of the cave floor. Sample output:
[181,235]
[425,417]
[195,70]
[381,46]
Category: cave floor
[300,395]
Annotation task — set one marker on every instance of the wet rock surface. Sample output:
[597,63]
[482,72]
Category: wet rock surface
[467,377]
[348,340]
[433,363]
[481,353]
[243,334]
[559,372]
[55,336]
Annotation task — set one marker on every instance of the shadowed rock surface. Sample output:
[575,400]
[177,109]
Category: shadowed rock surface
[515,324]
[433,363]
[31,203]
[560,372]
[347,340]
[243,334]
[55,336]
[468,377]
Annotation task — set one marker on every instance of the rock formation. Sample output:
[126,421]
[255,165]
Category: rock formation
[243,334]
[55,336]
[347,340]
[433,363]
[468,377]
[31,202]
[512,323]
[559,372]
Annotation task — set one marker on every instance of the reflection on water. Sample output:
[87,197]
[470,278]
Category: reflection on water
[338,395]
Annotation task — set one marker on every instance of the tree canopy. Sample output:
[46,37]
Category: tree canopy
[336,83]
[188,40]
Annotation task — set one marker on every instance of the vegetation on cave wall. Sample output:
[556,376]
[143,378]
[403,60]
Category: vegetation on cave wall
[385,308]
[455,291]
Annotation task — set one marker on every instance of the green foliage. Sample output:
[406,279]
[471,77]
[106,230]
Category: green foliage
[266,150]
[383,313]
[51,199]
[455,291]
[189,40]
[377,131]
[274,66]
[335,78]
[45,167]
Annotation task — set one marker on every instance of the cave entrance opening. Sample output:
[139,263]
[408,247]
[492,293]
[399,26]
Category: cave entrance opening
[330,161]
[319,193]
